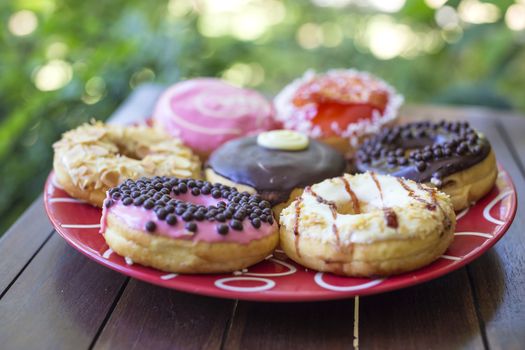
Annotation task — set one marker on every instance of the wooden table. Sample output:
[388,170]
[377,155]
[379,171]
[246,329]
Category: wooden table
[53,297]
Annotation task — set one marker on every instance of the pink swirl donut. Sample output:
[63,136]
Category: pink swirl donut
[207,112]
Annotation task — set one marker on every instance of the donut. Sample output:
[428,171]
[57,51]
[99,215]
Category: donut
[276,164]
[206,112]
[367,225]
[95,157]
[187,225]
[338,107]
[449,155]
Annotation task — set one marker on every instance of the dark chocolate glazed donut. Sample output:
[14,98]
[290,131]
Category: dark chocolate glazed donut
[275,173]
[423,151]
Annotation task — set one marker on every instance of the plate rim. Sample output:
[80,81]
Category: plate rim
[323,295]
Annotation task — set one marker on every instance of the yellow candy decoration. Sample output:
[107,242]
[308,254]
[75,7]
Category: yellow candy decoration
[285,140]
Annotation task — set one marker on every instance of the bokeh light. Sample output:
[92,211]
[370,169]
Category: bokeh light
[141,76]
[310,36]
[242,19]
[474,11]
[22,23]
[515,17]
[388,39]
[56,50]
[244,74]
[53,75]
[435,4]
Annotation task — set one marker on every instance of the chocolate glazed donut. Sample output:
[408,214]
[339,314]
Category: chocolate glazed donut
[448,155]
[275,173]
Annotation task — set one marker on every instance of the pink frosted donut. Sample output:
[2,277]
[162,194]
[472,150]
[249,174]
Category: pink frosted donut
[207,112]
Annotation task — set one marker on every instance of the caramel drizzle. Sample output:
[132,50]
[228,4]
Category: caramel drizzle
[389,213]
[333,209]
[378,185]
[411,193]
[355,201]
[435,203]
[432,193]
[296,224]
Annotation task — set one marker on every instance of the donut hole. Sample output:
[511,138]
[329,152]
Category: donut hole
[127,151]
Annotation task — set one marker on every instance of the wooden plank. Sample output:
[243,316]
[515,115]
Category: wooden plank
[58,302]
[436,315]
[23,240]
[497,277]
[20,243]
[151,317]
[320,325]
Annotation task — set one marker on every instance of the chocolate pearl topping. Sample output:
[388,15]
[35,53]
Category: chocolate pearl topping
[160,195]
[422,150]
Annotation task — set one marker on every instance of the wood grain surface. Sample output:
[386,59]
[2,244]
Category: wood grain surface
[52,297]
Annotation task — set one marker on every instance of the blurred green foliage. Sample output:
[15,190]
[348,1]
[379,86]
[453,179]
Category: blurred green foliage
[63,62]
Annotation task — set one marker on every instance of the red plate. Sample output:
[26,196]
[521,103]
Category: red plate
[278,278]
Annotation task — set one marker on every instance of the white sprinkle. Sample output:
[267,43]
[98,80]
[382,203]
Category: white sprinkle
[450,257]
[65,200]
[168,276]
[128,260]
[237,273]
[107,253]
[80,226]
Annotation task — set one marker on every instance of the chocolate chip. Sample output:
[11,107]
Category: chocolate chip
[150,226]
[222,229]
[199,215]
[183,188]
[220,217]
[462,149]
[256,222]
[216,194]
[236,224]
[171,219]
[138,201]
[116,195]
[264,204]
[421,166]
[195,191]
[108,203]
[191,226]
[161,213]
[427,155]
[187,216]
[127,201]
